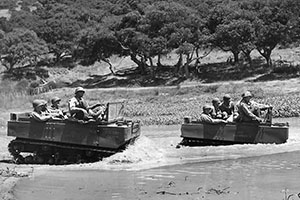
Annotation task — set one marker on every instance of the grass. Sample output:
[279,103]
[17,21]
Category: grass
[165,106]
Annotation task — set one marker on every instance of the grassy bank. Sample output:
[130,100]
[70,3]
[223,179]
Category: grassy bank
[161,105]
[165,106]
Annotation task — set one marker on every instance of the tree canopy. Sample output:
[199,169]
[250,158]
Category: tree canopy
[146,30]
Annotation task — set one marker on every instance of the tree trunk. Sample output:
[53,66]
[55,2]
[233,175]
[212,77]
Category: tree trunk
[269,60]
[186,70]
[248,56]
[106,60]
[198,59]
[266,53]
[236,56]
[152,68]
[178,64]
[159,61]
[142,65]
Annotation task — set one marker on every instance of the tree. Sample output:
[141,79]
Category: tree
[20,47]
[235,36]
[59,26]
[159,29]
[271,25]
[97,44]
[5,25]
[231,29]
[23,19]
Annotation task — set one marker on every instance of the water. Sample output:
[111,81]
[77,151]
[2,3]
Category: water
[156,148]
[154,169]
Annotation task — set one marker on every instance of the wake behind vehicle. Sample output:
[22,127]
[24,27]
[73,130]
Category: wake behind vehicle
[70,141]
[195,133]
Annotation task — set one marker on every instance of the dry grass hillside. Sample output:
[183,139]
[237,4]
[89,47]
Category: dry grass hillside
[92,76]
[161,104]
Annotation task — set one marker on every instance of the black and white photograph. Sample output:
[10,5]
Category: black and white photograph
[150,99]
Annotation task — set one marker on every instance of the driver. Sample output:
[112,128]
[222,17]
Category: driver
[249,111]
[80,109]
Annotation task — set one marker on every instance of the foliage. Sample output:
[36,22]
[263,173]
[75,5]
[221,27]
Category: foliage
[146,30]
[96,44]
[59,25]
[21,47]
[271,26]
[5,25]
[8,4]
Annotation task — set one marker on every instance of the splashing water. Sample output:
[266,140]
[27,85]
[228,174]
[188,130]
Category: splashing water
[156,148]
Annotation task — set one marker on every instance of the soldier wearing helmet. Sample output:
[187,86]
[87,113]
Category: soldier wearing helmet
[54,108]
[216,113]
[249,111]
[227,107]
[80,109]
[40,112]
[206,116]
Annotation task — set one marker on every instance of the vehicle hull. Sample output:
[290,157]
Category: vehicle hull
[66,142]
[195,133]
[111,136]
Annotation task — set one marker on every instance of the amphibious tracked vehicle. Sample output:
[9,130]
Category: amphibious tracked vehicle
[195,133]
[70,141]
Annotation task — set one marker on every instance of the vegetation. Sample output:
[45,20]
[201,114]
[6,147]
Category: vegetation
[90,31]
[167,106]
[43,34]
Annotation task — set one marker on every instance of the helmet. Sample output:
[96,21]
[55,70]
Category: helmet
[247,94]
[55,99]
[207,107]
[226,96]
[38,102]
[79,89]
[216,100]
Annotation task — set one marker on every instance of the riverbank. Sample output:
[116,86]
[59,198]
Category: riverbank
[9,176]
[169,105]
[269,177]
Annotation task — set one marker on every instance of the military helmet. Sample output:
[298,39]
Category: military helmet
[207,107]
[55,99]
[226,96]
[247,94]
[79,89]
[38,102]
[216,100]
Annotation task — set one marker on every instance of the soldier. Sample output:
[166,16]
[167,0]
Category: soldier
[54,108]
[39,112]
[227,107]
[249,111]
[217,113]
[80,109]
[206,116]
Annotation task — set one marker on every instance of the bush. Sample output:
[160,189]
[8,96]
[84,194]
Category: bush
[22,85]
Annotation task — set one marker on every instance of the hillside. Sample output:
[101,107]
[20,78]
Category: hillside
[214,69]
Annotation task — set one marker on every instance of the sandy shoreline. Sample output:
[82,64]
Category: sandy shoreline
[10,174]
[267,177]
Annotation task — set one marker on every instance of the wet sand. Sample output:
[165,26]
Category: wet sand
[266,177]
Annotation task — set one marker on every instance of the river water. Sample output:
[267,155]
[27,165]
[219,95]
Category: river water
[154,169]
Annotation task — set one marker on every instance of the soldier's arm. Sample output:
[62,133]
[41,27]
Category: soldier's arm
[209,120]
[247,112]
[73,108]
[39,117]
